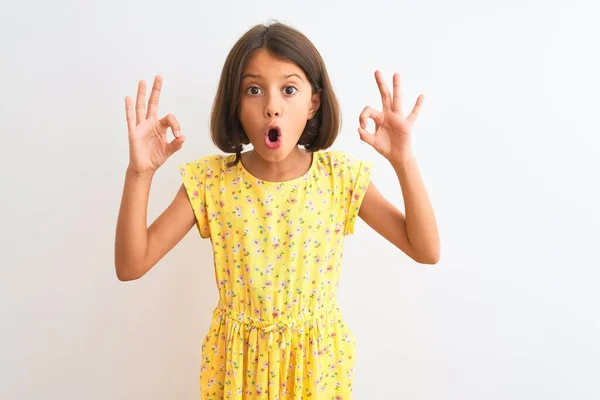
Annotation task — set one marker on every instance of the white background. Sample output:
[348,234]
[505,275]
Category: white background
[507,143]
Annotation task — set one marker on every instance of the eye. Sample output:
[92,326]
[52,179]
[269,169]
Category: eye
[253,90]
[286,91]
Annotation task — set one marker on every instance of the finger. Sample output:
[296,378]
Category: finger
[414,114]
[130,115]
[154,97]
[397,102]
[366,137]
[170,121]
[175,145]
[367,112]
[386,97]
[140,102]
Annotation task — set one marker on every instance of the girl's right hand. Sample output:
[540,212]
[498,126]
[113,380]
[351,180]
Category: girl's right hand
[148,144]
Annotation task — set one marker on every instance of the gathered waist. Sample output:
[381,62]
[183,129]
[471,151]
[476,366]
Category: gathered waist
[284,325]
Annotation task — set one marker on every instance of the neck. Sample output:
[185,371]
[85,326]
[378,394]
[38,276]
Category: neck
[293,166]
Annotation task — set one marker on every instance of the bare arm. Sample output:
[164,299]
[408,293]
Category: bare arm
[421,225]
[416,234]
[138,248]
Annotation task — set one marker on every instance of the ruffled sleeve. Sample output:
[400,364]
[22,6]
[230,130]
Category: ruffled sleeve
[193,175]
[357,175]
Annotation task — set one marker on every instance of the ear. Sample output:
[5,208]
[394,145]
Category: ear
[315,104]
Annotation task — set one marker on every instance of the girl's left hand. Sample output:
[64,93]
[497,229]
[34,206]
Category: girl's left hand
[392,137]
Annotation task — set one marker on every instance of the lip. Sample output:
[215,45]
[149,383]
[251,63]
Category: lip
[272,126]
[276,144]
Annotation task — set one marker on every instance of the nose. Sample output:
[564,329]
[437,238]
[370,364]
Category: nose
[273,108]
[272,114]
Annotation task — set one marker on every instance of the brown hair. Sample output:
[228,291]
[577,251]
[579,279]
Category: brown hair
[286,43]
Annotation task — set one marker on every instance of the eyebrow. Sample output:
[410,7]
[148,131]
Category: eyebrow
[256,76]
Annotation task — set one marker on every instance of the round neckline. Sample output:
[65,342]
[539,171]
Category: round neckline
[289,181]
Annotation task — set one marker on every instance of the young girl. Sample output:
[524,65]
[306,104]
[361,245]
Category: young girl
[276,215]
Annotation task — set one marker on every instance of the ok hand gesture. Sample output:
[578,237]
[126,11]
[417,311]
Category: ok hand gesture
[149,147]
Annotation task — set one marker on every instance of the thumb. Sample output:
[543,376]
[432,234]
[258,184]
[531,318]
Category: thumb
[366,137]
[175,145]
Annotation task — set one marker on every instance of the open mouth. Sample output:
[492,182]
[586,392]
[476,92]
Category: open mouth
[273,138]
[273,135]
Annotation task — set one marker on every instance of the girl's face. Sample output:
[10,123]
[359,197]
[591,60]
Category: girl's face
[276,102]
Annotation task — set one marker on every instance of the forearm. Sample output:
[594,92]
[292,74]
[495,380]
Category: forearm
[131,242]
[421,226]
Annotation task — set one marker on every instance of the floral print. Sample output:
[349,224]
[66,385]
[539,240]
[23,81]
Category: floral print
[277,331]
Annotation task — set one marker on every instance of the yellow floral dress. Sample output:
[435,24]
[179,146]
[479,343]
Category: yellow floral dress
[277,331]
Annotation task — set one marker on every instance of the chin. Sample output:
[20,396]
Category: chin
[274,155]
